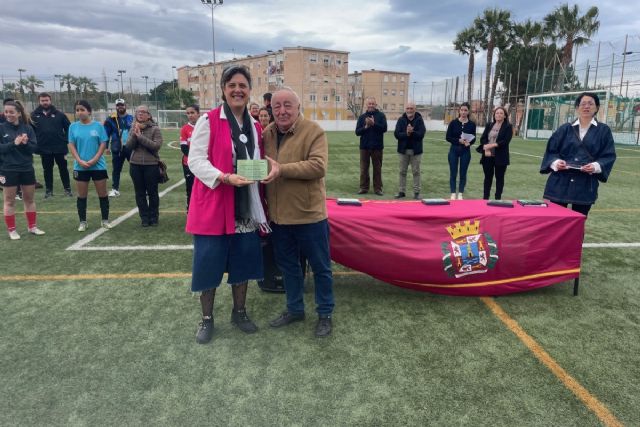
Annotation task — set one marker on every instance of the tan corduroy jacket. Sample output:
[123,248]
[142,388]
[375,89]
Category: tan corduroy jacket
[298,195]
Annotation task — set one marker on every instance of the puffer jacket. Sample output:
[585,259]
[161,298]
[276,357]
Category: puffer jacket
[144,148]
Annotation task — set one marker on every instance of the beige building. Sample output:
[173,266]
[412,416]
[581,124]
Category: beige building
[389,88]
[319,76]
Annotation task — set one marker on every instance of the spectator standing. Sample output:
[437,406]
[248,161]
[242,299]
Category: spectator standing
[193,113]
[494,147]
[266,98]
[264,118]
[371,127]
[144,142]
[118,126]
[87,143]
[298,152]
[461,134]
[17,145]
[52,128]
[410,131]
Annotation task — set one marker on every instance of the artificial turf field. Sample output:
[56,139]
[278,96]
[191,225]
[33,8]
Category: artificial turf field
[106,337]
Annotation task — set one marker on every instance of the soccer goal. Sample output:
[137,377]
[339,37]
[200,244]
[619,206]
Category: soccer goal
[171,119]
[546,112]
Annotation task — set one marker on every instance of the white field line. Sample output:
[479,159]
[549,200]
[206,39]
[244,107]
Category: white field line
[79,245]
[610,245]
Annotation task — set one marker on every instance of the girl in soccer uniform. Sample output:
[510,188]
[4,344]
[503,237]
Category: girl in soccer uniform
[17,144]
[87,142]
[193,113]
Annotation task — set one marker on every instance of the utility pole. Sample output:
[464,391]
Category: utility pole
[121,72]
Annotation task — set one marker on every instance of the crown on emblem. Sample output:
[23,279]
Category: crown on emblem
[461,229]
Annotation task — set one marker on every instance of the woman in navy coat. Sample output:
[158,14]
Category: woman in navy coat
[578,157]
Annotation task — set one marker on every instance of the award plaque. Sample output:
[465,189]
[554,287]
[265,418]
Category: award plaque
[254,170]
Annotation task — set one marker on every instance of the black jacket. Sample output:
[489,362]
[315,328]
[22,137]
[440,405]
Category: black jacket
[503,140]
[52,130]
[454,132]
[16,158]
[372,138]
[413,141]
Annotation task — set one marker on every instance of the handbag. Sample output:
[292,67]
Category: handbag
[162,169]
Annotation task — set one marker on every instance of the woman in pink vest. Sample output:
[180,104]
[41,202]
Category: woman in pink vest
[226,209]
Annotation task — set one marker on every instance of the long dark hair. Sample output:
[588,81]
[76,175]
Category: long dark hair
[24,117]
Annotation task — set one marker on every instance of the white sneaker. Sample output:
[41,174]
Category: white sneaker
[82,226]
[106,224]
[459,196]
[36,231]
[13,235]
[114,193]
[453,196]
[18,197]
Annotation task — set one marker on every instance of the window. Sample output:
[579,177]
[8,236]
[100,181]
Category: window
[313,58]
[338,99]
[326,79]
[393,107]
[326,61]
[401,107]
[325,98]
[312,97]
[401,93]
[386,78]
[338,61]
[393,92]
[402,78]
[385,92]
[384,107]
[393,79]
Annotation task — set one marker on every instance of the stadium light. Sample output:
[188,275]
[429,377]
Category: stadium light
[121,72]
[213,4]
[146,86]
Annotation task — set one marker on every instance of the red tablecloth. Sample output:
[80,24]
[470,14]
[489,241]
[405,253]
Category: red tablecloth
[465,248]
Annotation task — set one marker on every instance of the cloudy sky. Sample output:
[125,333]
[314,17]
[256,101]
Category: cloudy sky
[149,37]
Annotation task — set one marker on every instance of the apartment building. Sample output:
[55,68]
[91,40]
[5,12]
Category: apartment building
[319,77]
[389,88]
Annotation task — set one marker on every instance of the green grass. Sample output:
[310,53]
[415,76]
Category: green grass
[122,351]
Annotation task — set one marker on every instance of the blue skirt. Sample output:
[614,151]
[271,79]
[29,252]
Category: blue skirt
[238,254]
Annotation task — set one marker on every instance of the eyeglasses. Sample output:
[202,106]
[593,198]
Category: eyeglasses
[587,104]
[143,111]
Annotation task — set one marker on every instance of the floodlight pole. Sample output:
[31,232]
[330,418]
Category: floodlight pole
[213,4]
[121,72]
[146,86]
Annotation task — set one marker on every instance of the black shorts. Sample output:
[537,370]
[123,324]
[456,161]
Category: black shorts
[13,179]
[86,176]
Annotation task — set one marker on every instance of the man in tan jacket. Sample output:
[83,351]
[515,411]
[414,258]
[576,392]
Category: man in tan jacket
[298,152]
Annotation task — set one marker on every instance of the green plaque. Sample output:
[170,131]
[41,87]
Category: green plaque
[254,170]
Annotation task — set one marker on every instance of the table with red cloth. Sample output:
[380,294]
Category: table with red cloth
[463,248]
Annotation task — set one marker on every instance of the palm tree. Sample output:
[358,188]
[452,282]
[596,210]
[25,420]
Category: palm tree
[566,25]
[85,84]
[11,88]
[493,24]
[68,80]
[32,84]
[466,43]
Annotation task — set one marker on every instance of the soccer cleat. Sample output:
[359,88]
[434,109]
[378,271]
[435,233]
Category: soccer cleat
[36,231]
[13,235]
[82,226]
[18,196]
[114,193]
[106,224]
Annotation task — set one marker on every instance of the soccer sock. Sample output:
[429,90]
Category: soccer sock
[81,204]
[10,220]
[31,219]
[104,207]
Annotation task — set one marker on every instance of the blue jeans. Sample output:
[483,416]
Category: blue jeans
[117,160]
[463,157]
[312,241]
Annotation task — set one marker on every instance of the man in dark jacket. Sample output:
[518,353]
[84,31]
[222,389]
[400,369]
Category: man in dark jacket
[409,132]
[117,126]
[51,126]
[370,128]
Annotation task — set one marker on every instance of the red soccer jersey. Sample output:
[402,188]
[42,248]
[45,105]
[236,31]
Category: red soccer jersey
[185,139]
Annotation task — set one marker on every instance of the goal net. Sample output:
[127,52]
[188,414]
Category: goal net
[171,119]
[546,112]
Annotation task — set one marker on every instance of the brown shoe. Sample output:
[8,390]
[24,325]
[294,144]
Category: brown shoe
[286,318]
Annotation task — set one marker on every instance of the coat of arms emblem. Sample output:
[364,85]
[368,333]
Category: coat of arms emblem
[469,251]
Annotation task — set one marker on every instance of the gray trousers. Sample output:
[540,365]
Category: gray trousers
[405,159]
